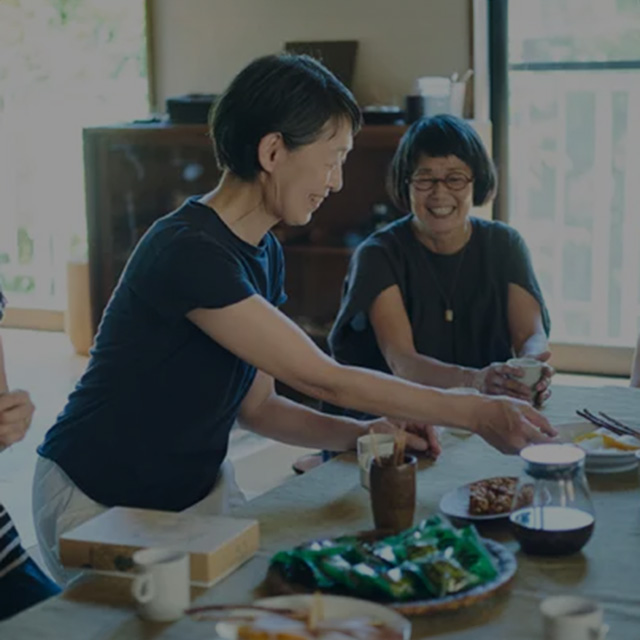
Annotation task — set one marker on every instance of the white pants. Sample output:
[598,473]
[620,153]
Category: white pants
[59,506]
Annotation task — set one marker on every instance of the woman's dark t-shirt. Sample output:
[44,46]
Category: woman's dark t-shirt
[148,423]
[476,279]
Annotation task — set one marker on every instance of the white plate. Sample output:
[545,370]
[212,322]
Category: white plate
[335,607]
[604,461]
[610,460]
[621,468]
[455,504]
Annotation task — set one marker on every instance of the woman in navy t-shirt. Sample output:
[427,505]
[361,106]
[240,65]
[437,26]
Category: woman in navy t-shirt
[192,338]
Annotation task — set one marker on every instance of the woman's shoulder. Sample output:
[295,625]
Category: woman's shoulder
[193,227]
[272,244]
[495,231]
[274,250]
[390,237]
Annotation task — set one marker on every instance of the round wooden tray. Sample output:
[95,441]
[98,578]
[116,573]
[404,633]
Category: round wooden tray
[505,563]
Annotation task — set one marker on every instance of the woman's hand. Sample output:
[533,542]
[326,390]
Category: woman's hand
[426,432]
[509,425]
[420,437]
[542,392]
[16,411]
[500,379]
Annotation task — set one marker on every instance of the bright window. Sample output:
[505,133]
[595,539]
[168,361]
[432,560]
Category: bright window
[573,160]
[64,65]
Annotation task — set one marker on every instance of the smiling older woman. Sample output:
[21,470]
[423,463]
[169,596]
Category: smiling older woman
[192,338]
[440,297]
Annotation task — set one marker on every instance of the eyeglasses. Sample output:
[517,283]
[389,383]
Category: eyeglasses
[453,182]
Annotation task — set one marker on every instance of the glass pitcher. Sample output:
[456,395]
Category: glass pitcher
[552,513]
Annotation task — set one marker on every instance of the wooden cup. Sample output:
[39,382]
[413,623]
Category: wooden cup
[393,493]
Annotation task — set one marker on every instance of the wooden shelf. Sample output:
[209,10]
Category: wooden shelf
[138,172]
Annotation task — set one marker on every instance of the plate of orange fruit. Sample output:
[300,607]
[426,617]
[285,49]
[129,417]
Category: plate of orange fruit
[606,452]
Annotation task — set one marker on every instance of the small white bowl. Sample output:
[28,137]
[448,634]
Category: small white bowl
[601,461]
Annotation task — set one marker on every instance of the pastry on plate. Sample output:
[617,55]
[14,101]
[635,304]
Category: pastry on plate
[492,496]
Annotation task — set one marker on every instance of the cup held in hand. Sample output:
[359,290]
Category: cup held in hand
[532,369]
[393,493]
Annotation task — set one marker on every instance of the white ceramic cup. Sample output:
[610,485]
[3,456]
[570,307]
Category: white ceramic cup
[161,586]
[572,618]
[532,370]
[384,447]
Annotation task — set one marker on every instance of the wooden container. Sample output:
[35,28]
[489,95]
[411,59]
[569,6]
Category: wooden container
[217,545]
[393,493]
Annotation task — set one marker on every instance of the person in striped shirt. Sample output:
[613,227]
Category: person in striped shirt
[22,582]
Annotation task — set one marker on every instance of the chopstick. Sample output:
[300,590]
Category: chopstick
[609,423]
[374,447]
[399,445]
[587,415]
[630,430]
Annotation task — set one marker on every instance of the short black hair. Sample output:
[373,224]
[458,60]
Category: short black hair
[294,95]
[437,137]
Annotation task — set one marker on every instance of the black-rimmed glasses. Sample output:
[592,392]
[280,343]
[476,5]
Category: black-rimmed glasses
[453,182]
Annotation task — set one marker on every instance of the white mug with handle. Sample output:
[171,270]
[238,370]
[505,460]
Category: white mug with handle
[572,618]
[161,586]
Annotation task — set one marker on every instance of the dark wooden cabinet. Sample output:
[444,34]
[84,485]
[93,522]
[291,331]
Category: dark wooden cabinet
[137,173]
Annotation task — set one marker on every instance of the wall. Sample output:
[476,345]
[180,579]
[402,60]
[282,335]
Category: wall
[201,44]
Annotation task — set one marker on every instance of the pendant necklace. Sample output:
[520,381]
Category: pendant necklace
[448,299]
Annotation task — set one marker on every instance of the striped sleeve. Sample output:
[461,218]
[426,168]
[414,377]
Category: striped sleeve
[12,554]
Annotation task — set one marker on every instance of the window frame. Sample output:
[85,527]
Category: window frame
[23,317]
[491,86]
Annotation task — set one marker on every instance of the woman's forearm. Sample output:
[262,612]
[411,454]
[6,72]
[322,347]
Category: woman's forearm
[292,423]
[380,394]
[431,372]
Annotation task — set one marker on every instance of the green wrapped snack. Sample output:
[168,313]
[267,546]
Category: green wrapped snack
[473,555]
[325,547]
[431,560]
[447,537]
[464,545]
[375,584]
[392,555]
[372,586]
[421,548]
[297,568]
[340,571]
[386,553]
[424,587]
[401,584]
[368,579]
[445,575]
[426,528]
